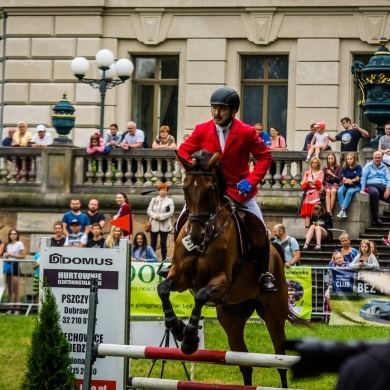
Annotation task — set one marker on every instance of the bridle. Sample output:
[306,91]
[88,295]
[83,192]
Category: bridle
[210,216]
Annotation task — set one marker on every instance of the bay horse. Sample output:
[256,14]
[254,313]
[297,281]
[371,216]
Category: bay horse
[207,261]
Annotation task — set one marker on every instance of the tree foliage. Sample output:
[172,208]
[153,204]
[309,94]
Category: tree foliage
[48,358]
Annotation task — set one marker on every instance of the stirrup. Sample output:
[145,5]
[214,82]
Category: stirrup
[269,283]
[163,271]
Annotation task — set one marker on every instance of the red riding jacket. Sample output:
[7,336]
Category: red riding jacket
[241,142]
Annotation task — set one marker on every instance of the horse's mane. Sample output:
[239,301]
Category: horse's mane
[201,159]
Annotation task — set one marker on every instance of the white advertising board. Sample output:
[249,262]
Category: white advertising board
[68,272]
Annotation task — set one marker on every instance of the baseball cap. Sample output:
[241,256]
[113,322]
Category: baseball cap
[320,124]
[41,128]
[75,222]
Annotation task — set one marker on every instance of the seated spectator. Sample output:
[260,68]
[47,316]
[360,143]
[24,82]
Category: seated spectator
[384,146]
[332,181]
[263,134]
[97,241]
[7,141]
[113,239]
[113,137]
[346,250]
[309,137]
[365,259]
[21,137]
[164,139]
[320,223]
[141,251]
[352,172]
[96,144]
[319,142]
[59,238]
[312,186]
[41,139]
[289,244]
[134,138]
[376,182]
[278,142]
[337,261]
[374,249]
[76,239]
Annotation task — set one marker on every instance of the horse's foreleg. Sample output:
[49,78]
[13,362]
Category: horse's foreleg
[190,341]
[174,324]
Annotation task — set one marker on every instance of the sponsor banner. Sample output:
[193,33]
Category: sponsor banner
[299,283]
[69,271]
[145,301]
[360,297]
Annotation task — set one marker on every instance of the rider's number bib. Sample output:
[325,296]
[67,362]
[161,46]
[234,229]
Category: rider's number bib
[189,245]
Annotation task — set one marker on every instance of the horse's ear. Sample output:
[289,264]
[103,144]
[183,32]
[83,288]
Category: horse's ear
[213,160]
[186,164]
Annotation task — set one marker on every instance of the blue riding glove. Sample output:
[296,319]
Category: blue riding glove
[244,187]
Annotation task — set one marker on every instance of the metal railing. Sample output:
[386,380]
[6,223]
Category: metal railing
[17,288]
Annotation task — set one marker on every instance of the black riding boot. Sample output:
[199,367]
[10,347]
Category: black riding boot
[260,248]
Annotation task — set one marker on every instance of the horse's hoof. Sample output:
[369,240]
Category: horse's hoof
[189,349]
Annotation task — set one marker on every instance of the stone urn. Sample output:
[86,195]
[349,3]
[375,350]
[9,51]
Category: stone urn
[63,120]
[373,81]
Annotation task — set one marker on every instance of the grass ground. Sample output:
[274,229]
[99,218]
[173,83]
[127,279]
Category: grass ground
[15,332]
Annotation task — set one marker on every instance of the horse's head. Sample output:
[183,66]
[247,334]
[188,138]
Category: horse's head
[201,191]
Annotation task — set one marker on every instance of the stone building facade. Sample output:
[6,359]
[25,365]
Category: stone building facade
[211,42]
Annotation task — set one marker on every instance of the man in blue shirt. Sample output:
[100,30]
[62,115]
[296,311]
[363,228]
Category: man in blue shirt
[263,134]
[7,141]
[289,244]
[75,214]
[376,182]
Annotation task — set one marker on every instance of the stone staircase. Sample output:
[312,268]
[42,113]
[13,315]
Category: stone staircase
[322,257]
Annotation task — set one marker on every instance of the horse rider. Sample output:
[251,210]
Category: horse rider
[236,141]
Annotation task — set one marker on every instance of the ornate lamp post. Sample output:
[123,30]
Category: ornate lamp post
[123,68]
[373,80]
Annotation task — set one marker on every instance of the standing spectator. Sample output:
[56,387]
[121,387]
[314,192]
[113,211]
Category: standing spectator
[58,239]
[1,249]
[289,244]
[141,251]
[160,211]
[94,215]
[164,140]
[263,134]
[96,144]
[319,141]
[124,209]
[134,138]
[309,137]
[337,261]
[332,181]
[97,241]
[277,141]
[7,141]
[41,139]
[346,250]
[113,137]
[21,137]
[75,213]
[365,259]
[113,239]
[352,172]
[350,136]
[320,223]
[384,146]
[76,238]
[312,185]
[15,250]
[376,182]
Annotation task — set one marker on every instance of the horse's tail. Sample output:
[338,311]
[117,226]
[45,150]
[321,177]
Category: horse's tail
[297,321]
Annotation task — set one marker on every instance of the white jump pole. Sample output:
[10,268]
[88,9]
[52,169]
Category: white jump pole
[200,356]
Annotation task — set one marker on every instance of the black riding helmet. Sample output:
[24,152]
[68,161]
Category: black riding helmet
[225,97]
